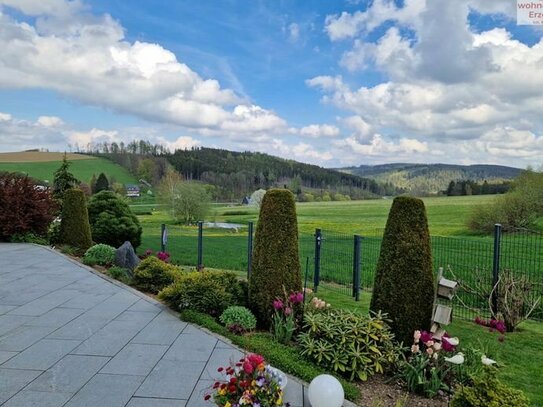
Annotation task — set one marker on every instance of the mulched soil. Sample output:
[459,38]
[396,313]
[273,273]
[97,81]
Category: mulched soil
[377,393]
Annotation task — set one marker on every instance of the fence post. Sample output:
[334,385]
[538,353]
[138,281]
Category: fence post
[200,245]
[496,266]
[356,267]
[316,276]
[163,237]
[250,250]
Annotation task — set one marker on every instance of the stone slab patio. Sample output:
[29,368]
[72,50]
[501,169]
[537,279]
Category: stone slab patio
[72,337]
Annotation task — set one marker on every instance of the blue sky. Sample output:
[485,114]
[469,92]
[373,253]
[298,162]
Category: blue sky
[327,82]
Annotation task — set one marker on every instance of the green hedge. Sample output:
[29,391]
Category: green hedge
[74,226]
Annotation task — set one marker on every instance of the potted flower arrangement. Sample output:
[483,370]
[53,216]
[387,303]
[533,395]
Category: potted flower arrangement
[251,383]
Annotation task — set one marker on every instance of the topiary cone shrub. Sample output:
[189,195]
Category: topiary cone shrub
[74,227]
[404,281]
[276,262]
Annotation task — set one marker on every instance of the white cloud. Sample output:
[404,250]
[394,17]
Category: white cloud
[447,88]
[50,121]
[101,68]
[294,32]
[181,143]
[319,130]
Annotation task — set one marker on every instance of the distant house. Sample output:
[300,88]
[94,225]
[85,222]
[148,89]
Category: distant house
[246,200]
[132,190]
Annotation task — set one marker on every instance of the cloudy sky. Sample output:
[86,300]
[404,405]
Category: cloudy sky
[328,82]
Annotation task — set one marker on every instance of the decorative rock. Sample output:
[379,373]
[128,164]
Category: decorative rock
[126,257]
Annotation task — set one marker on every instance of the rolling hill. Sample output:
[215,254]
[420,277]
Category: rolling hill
[42,165]
[422,179]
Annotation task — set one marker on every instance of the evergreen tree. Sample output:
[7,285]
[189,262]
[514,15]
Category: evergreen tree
[404,282]
[102,184]
[63,179]
[276,263]
[92,184]
[74,227]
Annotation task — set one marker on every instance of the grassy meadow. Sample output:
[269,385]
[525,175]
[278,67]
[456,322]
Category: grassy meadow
[228,249]
[42,165]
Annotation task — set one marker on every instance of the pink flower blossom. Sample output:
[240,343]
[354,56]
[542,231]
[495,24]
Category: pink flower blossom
[288,311]
[414,348]
[277,304]
[425,336]
[416,335]
[429,351]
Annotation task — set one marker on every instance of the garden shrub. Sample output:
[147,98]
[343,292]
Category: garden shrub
[404,282]
[112,221]
[238,319]
[348,343]
[102,184]
[152,275]
[53,232]
[28,237]
[63,179]
[23,207]
[208,291]
[74,226]
[487,391]
[276,263]
[121,274]
[100,254]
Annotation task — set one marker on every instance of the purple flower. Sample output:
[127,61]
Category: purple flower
[296,298]
[288,311]
[277,304]
[425,336]
[261,381]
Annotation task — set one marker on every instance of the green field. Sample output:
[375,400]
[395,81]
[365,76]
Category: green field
[82,169]
[222,248]
[469,257]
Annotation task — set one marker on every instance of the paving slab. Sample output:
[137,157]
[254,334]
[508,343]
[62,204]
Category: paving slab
[69,375]
[13,380]
[135,359]
[106,390]
[26,398]
[71,337]
[42,355]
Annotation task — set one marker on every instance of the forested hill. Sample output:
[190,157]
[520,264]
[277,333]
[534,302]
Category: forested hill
[421,179]
[243,172]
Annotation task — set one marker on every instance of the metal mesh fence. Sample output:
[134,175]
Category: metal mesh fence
[470,261]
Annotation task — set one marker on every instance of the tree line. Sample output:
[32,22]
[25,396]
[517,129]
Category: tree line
[232,175]
[469,187]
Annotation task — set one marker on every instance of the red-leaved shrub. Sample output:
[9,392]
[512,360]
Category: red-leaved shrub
[24,206]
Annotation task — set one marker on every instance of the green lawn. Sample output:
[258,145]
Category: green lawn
[82,169]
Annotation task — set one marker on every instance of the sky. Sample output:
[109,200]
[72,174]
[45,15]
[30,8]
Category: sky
[332,83]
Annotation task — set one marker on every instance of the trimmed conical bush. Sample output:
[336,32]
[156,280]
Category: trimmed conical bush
[404,282]
[276,262]
[74,227]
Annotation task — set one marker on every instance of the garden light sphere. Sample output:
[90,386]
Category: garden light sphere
[325,391]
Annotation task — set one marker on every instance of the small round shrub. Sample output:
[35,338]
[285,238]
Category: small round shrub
[121,274]
[238,317]
[74,226]
[210,292]
[152,275]
[101,254]
[112,221]
[276,262]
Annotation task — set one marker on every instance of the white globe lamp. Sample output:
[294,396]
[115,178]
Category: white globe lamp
[325,391]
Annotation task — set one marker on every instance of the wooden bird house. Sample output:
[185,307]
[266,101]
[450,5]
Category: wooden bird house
[442,314]
[446,288]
